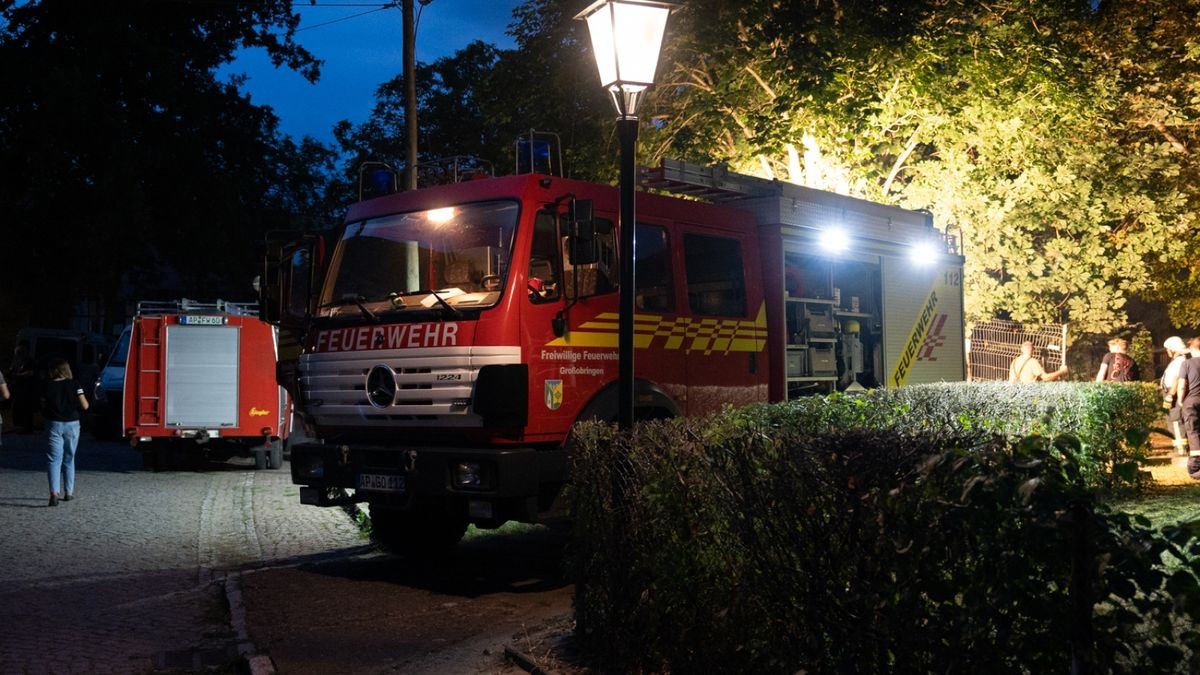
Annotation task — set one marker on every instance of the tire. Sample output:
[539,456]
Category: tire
[156,457]
[149,459]
[420,532]
[261,458]
[275,455]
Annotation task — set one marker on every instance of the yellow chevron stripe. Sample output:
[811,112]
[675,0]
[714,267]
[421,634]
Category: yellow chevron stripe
[705,335]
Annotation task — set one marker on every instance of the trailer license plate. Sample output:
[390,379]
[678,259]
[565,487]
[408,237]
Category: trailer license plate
[380,482]
[198,320]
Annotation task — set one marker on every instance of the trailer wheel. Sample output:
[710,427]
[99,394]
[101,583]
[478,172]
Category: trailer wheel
[268,456]
[419,532]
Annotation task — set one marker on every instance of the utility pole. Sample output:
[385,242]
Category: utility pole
[410,96]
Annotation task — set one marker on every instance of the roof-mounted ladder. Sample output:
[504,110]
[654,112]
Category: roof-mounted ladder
[711,183]
[187,306]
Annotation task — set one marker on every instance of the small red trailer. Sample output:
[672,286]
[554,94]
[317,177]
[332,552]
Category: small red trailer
[200,378]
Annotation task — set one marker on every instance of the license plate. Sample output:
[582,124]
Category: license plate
[195,320]
[375,482]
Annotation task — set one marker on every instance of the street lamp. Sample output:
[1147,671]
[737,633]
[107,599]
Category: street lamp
[626,38]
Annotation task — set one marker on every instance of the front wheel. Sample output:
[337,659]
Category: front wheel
[422,531]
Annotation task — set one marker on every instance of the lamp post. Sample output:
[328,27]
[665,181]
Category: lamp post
[626,39]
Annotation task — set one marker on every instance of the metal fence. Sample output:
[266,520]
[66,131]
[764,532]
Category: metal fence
[995,343]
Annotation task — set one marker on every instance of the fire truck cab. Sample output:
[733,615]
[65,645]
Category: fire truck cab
[454,334]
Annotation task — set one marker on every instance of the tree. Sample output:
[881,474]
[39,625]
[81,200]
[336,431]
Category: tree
[451,101]
[481,99]
[126,161]
[1154,47]
[996,117]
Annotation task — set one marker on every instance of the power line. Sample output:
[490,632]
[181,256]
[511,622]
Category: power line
[305,4]
[378,8]
[301,4]
[296,4]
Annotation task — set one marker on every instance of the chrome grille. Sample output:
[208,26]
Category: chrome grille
[431,385]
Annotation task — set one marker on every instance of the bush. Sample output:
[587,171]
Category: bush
[880,534]
[1111,420]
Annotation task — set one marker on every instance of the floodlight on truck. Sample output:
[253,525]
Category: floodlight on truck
[834,240]
[923,252]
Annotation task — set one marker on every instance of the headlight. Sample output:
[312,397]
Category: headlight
[98,393]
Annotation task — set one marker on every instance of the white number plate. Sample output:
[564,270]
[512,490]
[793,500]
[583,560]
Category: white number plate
[194,320]
[380,482]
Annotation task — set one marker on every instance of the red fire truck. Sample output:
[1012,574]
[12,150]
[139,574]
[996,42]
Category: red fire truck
[200,378]
[454,334]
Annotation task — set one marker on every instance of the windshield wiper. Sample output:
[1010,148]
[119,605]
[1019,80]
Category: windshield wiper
[352,299]
[398,303]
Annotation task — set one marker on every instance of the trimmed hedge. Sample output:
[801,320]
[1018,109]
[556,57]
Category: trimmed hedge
[881,534]
[1111,420]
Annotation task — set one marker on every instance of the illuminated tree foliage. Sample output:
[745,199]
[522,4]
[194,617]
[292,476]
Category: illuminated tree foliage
[1055,139]
[1154,47]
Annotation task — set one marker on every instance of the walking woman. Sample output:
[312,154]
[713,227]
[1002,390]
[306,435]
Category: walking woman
[61,405]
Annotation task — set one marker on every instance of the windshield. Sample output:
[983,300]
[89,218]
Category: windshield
[448,259]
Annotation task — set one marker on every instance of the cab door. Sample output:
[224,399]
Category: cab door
[541,292]
[287,290]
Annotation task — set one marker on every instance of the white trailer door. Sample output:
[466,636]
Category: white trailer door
[202,376]
[922,322]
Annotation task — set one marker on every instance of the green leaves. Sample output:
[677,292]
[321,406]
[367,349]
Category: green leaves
[809,536]
[1066,173]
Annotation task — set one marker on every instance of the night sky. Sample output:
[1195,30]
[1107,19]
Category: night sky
[362,46]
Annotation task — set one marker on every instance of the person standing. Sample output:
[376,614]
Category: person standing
[3,397]
[1117,366]
[1027,368]
[1178,353]
[1187,392]
[61,404]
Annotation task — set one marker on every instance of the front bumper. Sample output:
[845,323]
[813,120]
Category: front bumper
[514,481]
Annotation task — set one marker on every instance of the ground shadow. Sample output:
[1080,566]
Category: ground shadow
[27,452]
[529,561]
[7,502]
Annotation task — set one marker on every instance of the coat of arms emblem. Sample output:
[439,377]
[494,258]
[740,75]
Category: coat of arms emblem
[554,394]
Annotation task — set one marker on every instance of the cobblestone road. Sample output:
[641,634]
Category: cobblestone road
[128,577]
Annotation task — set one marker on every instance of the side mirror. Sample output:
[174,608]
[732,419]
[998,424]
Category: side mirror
[266,285]
[582,227]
